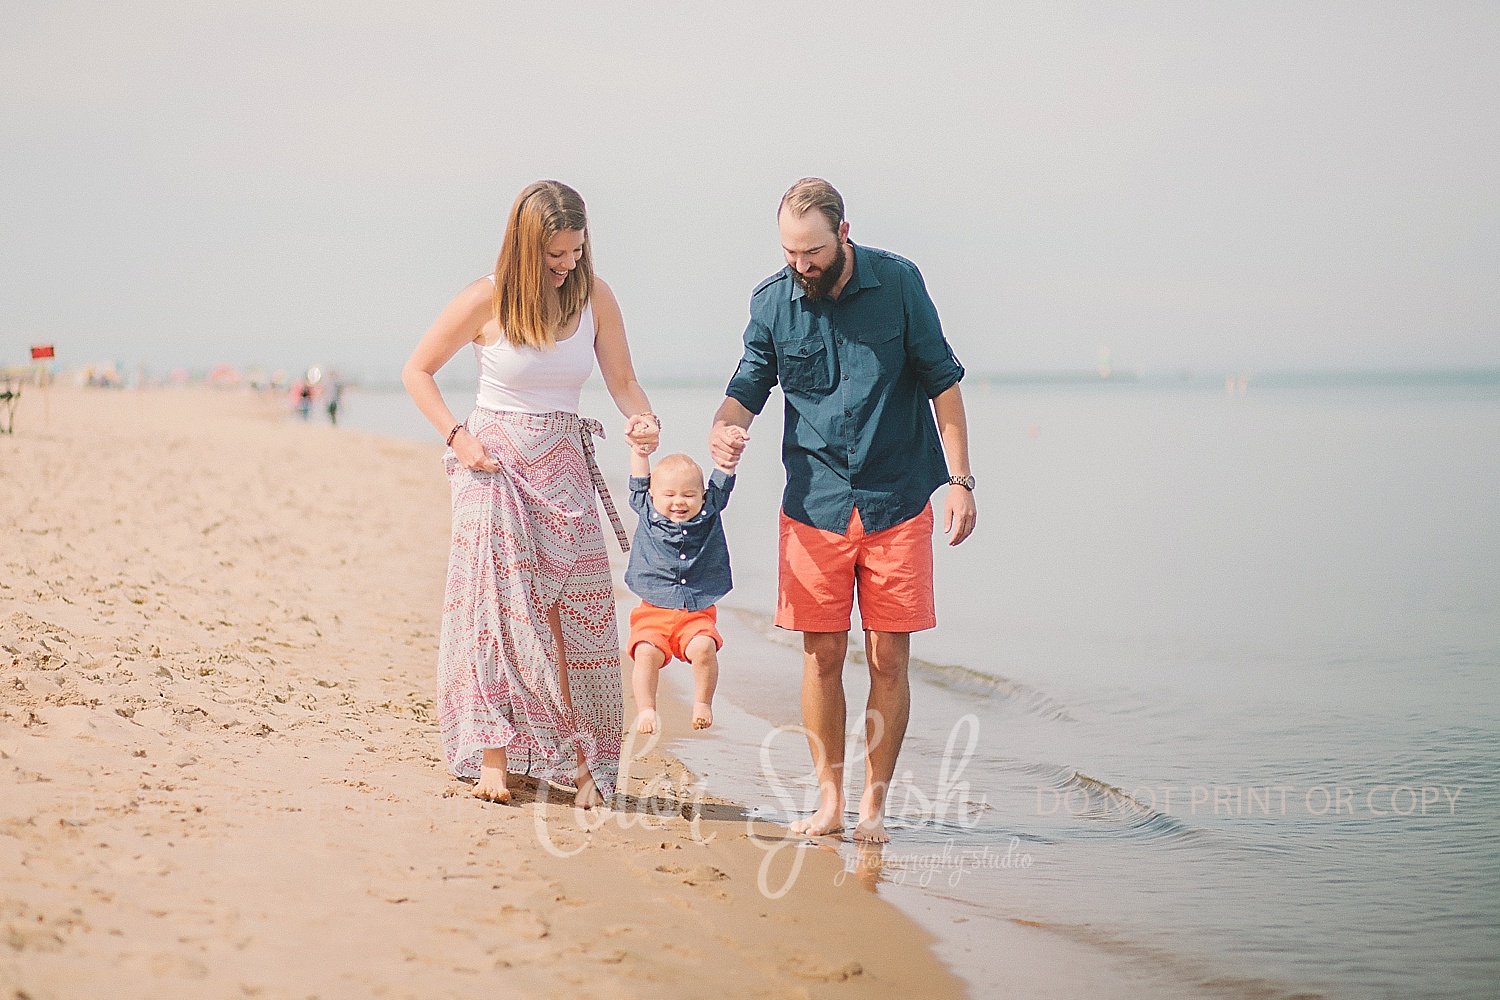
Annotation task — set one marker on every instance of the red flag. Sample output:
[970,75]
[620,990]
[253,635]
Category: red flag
[41,351]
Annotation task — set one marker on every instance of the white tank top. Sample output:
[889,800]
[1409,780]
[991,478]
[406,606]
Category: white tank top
[537,381]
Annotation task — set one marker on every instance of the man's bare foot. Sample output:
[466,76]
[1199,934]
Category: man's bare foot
[871,831]
[646,722]
[828,819]
[703,715]
[491,785]
[588,793]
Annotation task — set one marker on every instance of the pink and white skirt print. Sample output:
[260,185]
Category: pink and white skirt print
[526,538]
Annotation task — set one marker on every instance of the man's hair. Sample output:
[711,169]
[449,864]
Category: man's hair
[814,194]
[679,462]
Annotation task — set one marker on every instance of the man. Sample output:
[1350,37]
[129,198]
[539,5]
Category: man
[853,339]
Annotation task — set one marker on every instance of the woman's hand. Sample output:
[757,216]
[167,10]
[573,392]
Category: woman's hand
[472,454]
[643,431]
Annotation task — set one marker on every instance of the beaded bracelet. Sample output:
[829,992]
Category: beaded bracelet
[453,433]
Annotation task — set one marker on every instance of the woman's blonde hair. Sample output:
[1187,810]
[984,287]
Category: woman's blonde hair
[526,315]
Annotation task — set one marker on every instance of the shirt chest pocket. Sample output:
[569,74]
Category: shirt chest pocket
[804,365]
[880,350]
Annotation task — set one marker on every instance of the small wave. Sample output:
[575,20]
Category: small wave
[954,677]
[1195,972]
[1112,811]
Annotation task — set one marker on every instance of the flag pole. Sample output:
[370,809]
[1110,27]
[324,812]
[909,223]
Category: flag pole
[39,355]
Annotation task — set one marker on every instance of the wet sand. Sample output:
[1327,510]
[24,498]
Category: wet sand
[220,773]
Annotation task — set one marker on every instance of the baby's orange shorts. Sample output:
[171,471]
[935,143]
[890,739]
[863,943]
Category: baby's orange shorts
[671,629]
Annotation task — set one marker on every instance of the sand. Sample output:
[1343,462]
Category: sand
[220,773]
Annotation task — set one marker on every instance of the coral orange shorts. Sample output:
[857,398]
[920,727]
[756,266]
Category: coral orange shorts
[671,629]
[892,570]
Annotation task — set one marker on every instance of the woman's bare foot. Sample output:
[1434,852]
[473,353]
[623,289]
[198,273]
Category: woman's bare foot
[491,785]
[588,793]
[703,715]
[646,722]
[871,831]
[828,819]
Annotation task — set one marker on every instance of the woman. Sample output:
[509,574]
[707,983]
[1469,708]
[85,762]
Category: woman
[529,656]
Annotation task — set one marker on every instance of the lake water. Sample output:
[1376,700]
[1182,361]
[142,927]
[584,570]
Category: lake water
[1225,669]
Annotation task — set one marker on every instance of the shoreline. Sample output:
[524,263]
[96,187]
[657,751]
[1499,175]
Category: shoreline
[216,736]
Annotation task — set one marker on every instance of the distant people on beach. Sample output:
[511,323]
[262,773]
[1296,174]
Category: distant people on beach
[852,338]
[307,389]
[679,568]
[335,396]
[529,654]
[304,391]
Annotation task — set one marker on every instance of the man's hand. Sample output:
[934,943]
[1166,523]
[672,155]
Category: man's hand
[726,442]
[959,514]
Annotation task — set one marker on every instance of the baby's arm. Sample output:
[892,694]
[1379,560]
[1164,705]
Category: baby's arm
[735,434]
[640,462]
[640,455]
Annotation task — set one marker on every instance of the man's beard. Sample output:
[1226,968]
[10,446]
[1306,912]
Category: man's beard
[815,287]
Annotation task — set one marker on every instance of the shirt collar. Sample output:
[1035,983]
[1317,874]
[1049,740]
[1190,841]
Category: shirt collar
[862,277]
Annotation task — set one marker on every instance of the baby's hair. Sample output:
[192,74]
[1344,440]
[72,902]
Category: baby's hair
[680,462]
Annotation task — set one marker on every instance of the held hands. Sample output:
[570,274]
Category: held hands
[959,514]
[726,442]
[643,431]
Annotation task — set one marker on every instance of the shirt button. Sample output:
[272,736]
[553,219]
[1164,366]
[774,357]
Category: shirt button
[683,580]
[683,556]
[846,378]
[847,413]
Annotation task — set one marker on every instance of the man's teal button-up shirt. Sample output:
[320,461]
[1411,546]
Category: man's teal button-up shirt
[858,374]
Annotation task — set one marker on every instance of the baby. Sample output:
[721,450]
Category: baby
[679,566]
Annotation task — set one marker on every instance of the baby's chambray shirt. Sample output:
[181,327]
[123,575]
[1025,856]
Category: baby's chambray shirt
[683,566]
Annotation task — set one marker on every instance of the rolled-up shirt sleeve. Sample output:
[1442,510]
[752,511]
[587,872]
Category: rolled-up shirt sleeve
[720,484]
[756,375]
[640,494]
[927,350]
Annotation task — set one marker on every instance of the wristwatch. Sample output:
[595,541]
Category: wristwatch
[967,482]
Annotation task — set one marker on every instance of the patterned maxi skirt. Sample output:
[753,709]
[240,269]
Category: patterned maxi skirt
[526,538]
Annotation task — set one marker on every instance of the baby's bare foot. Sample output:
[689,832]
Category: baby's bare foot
[703,715]
[646,722]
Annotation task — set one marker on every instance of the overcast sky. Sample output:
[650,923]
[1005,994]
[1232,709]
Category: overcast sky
[1212,186]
